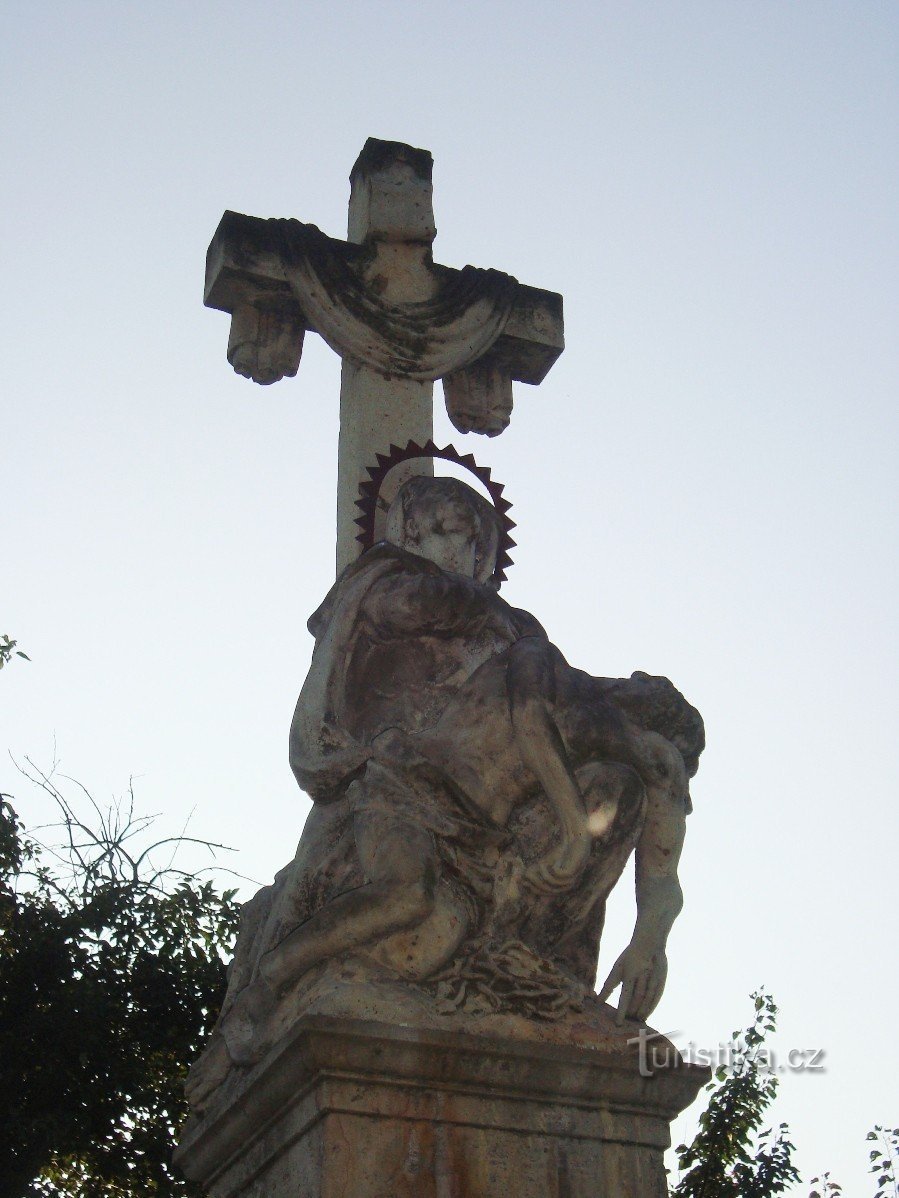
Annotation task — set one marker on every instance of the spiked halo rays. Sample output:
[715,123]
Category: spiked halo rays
[370,490]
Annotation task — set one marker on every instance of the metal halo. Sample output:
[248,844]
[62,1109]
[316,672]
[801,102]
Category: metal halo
[370,490]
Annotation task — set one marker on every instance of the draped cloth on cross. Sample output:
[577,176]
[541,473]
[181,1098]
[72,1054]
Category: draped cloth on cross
[424,341]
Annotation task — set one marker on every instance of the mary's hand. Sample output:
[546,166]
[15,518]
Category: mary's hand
[641,973]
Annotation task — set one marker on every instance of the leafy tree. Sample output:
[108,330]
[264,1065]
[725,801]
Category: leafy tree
[111,975]
[829,1187]
[729,1157]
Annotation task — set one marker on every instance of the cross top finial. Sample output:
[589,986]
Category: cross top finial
[377,155]
[391,194]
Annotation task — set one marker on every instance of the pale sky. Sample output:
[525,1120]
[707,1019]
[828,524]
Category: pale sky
[704,485]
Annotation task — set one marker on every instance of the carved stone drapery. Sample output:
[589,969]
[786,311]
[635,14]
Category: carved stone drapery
[424,340]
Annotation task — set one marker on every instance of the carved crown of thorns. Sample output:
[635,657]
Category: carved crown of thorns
[369,493]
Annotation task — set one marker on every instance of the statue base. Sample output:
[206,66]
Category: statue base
[351,1108]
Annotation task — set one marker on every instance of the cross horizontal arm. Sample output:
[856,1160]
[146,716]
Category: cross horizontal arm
[245,269]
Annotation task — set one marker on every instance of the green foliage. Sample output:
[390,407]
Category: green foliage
[8,650]
[729,1157]
[111,975]
[884,1158]
[884,1166]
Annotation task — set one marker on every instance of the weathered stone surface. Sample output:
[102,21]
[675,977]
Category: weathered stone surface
[391,197]
[398,321]
[245,263]
[357,1109]
[479,398]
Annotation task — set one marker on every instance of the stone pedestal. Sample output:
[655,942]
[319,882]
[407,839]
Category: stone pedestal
[346,1108]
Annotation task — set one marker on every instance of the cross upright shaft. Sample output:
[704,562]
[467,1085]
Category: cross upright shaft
[398,320]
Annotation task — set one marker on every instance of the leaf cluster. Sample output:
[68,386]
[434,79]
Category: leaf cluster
[8,650]
[111,975]
[884,1159]
[829,1187]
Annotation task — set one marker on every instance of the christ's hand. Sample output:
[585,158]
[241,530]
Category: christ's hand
[641,974]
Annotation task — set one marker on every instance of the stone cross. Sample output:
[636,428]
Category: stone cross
[398,320]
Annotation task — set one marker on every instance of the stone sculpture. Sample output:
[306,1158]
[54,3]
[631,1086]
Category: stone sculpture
[411,1007]
[476,798]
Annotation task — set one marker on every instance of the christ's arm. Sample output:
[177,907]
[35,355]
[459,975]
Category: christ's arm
[642,968]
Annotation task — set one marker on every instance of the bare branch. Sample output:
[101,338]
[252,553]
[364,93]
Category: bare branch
[103,854]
